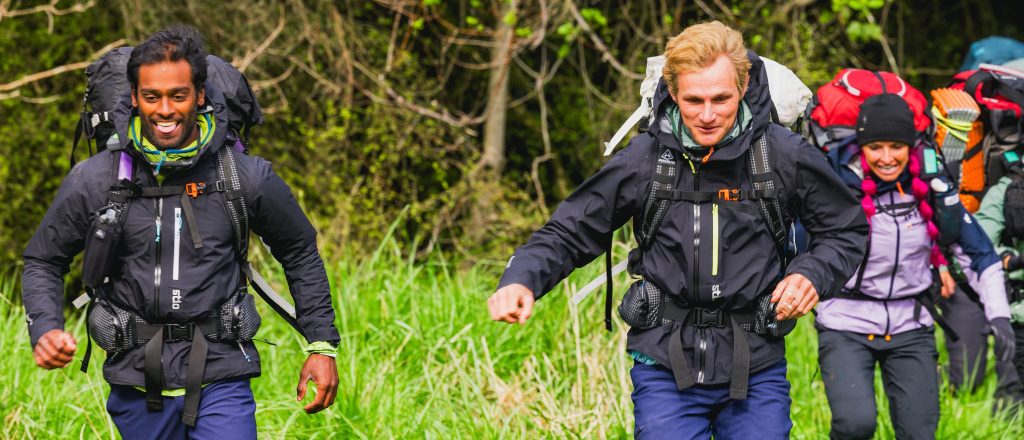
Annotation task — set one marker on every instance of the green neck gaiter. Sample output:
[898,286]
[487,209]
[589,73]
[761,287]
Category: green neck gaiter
[156,157]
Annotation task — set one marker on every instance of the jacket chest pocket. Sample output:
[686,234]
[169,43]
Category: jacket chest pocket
[199,236]
[739,248]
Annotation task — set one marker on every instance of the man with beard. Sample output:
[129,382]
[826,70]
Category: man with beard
[176,277]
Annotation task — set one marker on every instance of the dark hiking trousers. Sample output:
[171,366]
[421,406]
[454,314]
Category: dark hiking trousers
[909,375]
[227,411]
[663,412]
[1018,358]
[967,357]
[967,360]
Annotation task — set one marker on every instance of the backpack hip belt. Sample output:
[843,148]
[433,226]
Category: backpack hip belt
[705,317]
[116,329]
[926,299]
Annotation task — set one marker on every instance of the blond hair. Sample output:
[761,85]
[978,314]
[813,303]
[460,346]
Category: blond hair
[698,46]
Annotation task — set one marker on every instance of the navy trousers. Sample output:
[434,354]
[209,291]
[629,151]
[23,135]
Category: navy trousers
[663,412]
[227,411]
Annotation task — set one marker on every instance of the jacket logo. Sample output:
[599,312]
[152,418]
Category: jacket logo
[716,292]
[175,299]
[667,157]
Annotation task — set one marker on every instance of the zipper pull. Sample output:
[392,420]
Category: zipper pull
[158,231]
[247,358]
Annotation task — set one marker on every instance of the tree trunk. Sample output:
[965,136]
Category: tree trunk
[492,161]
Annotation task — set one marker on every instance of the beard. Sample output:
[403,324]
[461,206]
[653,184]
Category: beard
[188,132]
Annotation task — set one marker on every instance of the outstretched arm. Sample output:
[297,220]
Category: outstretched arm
[579,230]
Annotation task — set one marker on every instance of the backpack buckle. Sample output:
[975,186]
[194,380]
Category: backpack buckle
[178,332]
[708,317]
[731,195]
[195,189]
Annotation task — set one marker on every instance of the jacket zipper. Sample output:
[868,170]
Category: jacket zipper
[892,276]
[703,343]
[177,243]
[701,354]
[156,268]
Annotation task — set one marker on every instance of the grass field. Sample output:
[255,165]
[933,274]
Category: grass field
[420,359]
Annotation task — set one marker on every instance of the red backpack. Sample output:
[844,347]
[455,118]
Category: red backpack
[834,109]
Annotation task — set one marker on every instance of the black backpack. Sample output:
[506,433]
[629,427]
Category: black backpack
[1013,201]
[107,105]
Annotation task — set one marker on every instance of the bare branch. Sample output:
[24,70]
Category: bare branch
[545,137]
[607,55]
[258,85]
[251,56]
[885,45]
[50,10]
[445,116]
[59,69]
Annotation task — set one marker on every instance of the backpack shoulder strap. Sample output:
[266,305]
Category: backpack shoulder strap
[234,201]
[762,179]
[665,171]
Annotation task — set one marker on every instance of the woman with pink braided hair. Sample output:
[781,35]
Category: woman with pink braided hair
[885,314]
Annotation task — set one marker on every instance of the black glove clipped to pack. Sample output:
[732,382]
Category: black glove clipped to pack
[1016,261]
[1005,346]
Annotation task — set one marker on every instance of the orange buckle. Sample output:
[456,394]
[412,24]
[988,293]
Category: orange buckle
[871,337]
[194,189]
[729,194]
[888,338]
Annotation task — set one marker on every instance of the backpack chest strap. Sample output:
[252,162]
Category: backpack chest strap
[722,194]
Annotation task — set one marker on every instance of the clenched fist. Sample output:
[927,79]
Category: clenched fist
[512,304]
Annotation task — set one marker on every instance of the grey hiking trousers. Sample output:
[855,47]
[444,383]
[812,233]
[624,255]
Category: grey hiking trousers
[909,363]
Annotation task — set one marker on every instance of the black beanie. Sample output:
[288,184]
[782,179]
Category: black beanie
[885,117]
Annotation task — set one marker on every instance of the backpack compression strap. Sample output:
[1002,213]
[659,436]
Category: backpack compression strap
[234,202]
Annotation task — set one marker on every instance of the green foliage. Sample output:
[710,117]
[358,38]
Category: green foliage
[419,358]
[594,17]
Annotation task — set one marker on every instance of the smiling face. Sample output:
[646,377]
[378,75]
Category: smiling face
[887,159]
[168,102]
[709,101]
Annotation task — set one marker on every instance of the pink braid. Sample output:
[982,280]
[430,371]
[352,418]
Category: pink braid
[920,190]
[869,187]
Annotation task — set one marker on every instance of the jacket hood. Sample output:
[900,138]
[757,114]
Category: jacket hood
[758,98]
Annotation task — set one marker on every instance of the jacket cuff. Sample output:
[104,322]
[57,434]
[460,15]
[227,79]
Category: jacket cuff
[823,291]
[511,277]
[37,329]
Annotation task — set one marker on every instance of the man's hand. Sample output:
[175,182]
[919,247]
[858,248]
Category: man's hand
[512,304]
[324,373]
[795,295]
[948,284]
[55,349]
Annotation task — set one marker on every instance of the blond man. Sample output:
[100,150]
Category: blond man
[710,267]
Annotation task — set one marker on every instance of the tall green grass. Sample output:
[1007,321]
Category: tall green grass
[419,358]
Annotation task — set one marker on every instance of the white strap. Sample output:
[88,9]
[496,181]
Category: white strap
[597,282]
[634,118]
